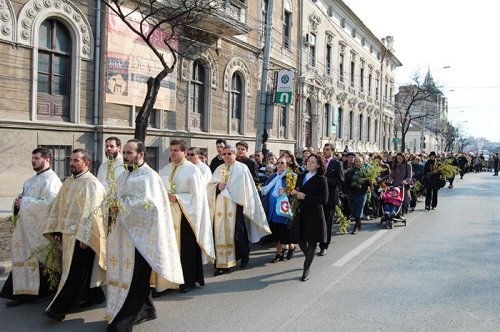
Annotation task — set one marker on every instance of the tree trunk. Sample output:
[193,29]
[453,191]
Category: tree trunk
[142,118]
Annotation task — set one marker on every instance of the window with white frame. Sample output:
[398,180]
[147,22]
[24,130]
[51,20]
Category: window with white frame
[341,68]
[353,73]
[54,71]
[287,30]
[339,122]
[329,54]
[351,125]
[312,50]
[326,121]
[362,79]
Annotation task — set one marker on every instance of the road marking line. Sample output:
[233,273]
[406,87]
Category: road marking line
[356,251]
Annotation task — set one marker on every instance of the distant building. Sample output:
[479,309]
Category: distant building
[346,80]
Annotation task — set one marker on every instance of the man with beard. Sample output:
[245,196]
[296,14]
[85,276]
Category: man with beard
[112,166]
[335,178]
[26,282]
[237,212]
[187,194]
[76,220]
[218,160]
[141,240]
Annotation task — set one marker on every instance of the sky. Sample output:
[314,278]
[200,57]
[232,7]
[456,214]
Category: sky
[432,34]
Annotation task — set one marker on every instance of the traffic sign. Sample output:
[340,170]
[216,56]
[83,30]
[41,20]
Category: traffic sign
[396,140]
[284,87]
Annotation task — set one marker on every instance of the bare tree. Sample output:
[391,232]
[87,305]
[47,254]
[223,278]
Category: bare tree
[415,102]
[451,135]
[180,23]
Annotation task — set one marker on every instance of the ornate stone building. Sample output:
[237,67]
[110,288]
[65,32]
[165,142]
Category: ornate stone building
[346,80]
[72,76]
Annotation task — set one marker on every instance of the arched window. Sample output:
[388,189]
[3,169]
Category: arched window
[198,88]
[54,71]
[326,122]
[339,125]
[236,96]
[361,127]
[351,125]
[236,101]
[197,96]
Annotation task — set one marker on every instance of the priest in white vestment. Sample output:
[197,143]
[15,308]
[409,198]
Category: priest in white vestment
[237,212]
[193,156]
[187,193]
[76,219]
[27,282]
[112,166]
[141,240]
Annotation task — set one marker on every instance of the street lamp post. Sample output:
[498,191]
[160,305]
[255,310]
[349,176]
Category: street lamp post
[387,42]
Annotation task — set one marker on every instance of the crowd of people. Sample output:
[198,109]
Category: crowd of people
[141,233]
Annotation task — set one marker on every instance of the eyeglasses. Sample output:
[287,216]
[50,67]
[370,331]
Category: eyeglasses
[191,154]
[282,163]
[227,153]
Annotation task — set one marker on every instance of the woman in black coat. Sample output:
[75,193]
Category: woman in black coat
[432,181]
[309,226]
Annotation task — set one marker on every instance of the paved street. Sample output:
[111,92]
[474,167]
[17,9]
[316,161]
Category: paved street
[440,273]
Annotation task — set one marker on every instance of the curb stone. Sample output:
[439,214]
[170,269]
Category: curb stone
[5,268]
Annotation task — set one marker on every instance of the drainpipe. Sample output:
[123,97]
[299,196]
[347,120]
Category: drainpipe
[97,69]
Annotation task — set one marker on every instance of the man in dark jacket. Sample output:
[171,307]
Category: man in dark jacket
[217,160]
[241,156]
[335,178]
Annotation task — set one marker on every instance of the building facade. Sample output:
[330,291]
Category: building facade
[72,76]
[346,88]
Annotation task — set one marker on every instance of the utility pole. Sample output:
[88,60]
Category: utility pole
[264,119]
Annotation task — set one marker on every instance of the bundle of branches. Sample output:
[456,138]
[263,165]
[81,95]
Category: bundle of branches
[51,257]
[342,220]
[13,221]
[370,172]
[416,189]
[447,170]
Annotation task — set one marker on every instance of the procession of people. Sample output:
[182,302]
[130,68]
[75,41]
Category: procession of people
[139,233]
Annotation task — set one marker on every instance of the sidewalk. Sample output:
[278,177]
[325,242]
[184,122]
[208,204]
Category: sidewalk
[6,206]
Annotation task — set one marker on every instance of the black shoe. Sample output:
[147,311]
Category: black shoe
[322,252]
[14,303]
[54,315]
[219,272]
[427,208]
[145,319]
[433,208]
[90,303]
[305,276]
[244,262]
[186,288]
[277,258]
[289,254]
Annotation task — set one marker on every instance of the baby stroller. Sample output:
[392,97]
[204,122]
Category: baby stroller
[391,200]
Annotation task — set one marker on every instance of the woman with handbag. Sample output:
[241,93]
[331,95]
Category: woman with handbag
[309,226]
[277,207]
